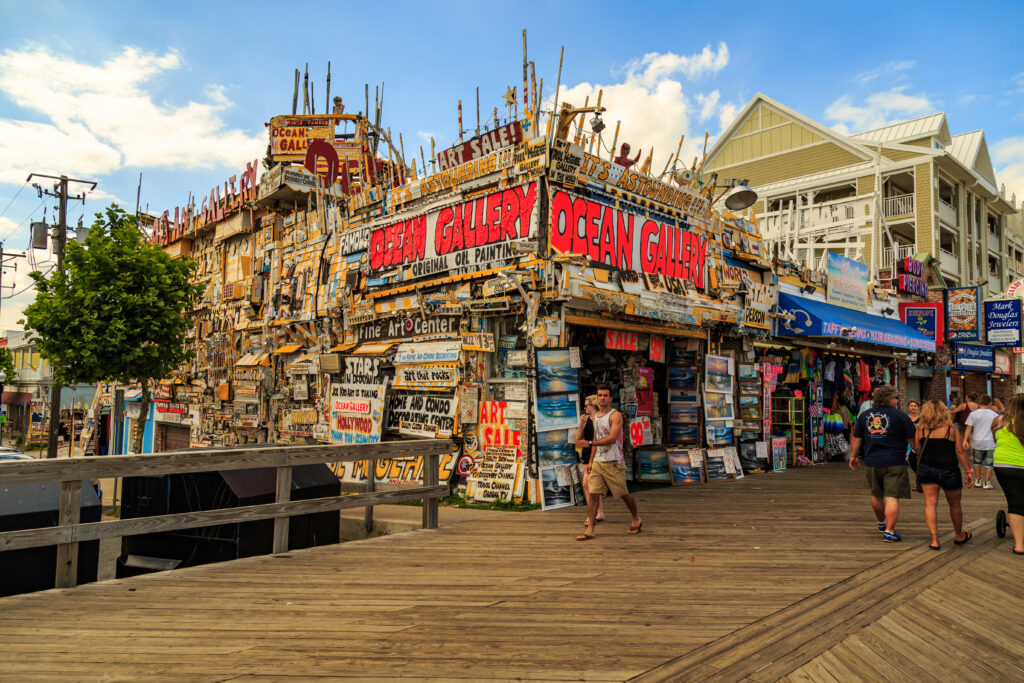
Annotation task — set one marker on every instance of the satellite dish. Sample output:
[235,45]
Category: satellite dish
[739,198]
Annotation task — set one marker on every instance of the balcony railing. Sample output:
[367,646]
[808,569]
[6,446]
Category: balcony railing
[890,255]
[948,260]
[900,205]
[993,242]
[947,212]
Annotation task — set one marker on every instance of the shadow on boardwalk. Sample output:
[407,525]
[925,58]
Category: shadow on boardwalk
[772,576]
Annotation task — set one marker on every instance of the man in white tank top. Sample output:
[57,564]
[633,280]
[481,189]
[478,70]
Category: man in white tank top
[607,468]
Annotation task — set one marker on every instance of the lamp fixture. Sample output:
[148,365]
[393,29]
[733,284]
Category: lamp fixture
[808,289]
[596,124]
[887,311]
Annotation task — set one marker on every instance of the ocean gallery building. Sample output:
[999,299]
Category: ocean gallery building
[351,298]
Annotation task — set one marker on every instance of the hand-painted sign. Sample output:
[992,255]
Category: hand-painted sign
[926,318]
[419,414]
[640,433]
[656,351]
[355,411]
[457,237]
[407,327]
[428,352]
[1016,288]
[474,148]
[962,313]
[758,301]
[621,341]
[976,357]
[627,240]
[571,165]
[406,471]
[426,377]
[847,282]
[1002,322]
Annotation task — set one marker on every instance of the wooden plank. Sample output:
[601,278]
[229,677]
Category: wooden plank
[430,464]
[371,482]
[15,540]
[69,513]
[283,494]
[208,460]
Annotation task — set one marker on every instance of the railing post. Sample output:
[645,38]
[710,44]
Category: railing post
[430,464]
[371,485]
[284,494]
[70,513]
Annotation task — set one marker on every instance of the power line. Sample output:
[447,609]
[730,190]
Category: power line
[14,197]
[26,219]
[30,285]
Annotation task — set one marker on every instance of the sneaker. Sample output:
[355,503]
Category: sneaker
[881,527]
[988,485]
[892,537]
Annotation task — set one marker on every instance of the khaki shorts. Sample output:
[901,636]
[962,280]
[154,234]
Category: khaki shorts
[889,482]
[607,476]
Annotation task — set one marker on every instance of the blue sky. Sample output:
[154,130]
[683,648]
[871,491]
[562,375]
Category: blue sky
[181,91]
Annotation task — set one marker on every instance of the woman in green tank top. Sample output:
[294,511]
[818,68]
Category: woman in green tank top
[1009,466]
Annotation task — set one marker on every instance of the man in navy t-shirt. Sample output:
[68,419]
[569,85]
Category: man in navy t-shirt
[885,431]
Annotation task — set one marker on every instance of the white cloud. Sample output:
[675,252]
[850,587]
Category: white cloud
[727,114]
[884,70]
[102,117]
[707,104]
[1008,154]
[879,109]
[655,67]
[652,104]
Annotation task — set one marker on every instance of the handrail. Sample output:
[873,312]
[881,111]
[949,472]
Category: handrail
[70,472]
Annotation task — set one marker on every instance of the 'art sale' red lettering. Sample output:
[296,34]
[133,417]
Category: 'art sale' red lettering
[626,240]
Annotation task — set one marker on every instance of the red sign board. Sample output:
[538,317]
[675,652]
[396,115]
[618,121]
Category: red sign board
[925,317]
[622,341]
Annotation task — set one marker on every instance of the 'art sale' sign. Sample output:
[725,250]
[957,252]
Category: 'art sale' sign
[626,240]
[459,237]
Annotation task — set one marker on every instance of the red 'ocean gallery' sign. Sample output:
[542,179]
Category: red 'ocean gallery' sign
[626,240]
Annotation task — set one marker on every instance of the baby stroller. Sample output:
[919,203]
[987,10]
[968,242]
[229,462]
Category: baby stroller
[1001,523]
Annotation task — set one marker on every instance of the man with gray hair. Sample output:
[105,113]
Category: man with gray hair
[885,431]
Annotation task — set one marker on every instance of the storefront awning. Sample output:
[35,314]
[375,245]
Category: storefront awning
[252,360]
[287,348]
[373,349]
[341,348]
[16,398]
[819,319]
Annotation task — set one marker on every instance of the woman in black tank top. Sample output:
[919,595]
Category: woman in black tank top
[941,453]
[585,430]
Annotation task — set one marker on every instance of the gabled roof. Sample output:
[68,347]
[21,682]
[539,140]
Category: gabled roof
[933,125]
[971,150]
[846,143]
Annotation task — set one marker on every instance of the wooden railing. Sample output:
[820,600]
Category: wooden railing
[70,472]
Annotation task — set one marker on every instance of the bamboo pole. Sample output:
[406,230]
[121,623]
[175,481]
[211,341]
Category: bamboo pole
[460,120]
[615,140]
[558,84]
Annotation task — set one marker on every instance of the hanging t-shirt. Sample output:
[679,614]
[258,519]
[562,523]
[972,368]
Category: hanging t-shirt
[830,371]
[885,433]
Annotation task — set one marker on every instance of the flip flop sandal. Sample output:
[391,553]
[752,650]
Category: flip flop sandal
[636,529]
[934,547]
[968,537]
[1015,552]
[585,537]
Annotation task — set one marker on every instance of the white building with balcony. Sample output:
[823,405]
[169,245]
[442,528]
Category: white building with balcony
[879,196]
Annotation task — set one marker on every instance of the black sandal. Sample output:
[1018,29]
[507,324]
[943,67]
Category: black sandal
[968,537]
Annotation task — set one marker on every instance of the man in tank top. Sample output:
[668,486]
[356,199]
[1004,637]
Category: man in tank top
[607,468]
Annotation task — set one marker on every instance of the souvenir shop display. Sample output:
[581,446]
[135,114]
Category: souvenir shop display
[686,466]
[683,395]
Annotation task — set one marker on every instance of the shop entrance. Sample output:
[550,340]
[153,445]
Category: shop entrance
[171,437]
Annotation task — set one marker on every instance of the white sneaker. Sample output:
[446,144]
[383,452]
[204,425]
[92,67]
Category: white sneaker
[988,485]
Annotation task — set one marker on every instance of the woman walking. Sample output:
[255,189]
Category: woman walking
[585,430]
[941,447]
[1008,461]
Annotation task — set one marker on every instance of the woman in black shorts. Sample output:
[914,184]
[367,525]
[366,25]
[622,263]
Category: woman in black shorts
[585,430]
[941,446]
[1009,467]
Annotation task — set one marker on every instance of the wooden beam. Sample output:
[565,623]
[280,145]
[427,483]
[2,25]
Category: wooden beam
[430,464]
[31,538]
[208,460]
[283,495]
[69,514]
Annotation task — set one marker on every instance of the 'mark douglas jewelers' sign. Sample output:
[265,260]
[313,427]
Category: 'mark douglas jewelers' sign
[1002,322]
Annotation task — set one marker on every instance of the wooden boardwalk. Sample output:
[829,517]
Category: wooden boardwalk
[772,577]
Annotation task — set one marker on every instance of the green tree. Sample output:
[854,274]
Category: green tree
[7,365]
[118,313]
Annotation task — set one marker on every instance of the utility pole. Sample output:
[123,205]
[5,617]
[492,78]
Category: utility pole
[60,191]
